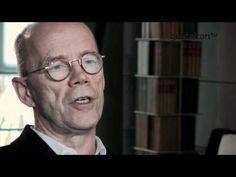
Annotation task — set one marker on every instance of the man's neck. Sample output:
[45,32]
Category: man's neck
[81,143]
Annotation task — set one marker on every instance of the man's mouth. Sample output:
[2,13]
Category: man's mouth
[83,100]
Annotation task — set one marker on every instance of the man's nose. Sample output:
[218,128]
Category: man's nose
[78,75]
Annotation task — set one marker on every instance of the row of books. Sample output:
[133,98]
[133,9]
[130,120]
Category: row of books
[157,114]
[157,96]
[167,30]
[169,58]
[166,111]
[164,97]
[157,133]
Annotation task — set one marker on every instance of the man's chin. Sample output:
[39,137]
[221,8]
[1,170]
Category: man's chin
[85,120]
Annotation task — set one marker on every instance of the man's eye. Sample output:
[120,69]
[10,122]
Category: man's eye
[56,67]
[91,62]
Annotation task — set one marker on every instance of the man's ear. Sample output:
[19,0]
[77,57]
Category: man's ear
[22,91]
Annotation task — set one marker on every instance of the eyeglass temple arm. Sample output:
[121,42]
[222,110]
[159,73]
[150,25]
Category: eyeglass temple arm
[25,75]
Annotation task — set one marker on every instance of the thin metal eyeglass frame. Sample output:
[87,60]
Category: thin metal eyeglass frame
[70,67]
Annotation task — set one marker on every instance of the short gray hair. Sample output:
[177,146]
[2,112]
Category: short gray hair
[21,49]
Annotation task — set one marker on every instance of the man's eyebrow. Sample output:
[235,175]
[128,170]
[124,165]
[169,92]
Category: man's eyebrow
[48,59]
[88,51]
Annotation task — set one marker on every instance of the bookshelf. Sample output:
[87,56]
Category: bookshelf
[167,81]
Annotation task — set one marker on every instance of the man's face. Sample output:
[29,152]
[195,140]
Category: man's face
[58,104]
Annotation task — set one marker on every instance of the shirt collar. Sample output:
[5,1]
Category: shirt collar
[61,149]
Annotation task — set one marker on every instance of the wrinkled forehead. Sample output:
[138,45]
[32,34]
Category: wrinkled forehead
[52,39]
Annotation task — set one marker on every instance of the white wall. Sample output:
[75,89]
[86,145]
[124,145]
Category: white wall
[217,100]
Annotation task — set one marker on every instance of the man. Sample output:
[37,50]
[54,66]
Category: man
[62,80]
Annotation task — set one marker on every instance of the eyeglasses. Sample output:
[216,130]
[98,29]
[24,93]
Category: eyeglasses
[60,69]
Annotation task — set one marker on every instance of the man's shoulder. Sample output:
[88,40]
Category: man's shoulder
[6,150]
[28,143]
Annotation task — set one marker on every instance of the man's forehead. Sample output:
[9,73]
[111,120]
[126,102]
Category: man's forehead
[48,25]
[43,39]
[38,30]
